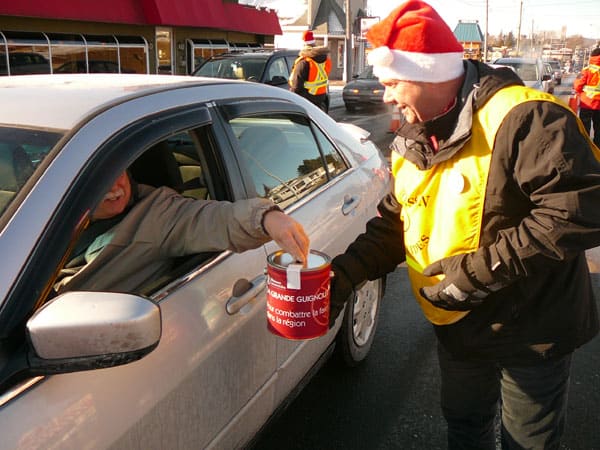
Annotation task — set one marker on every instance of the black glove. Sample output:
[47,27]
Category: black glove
[340,291]
[469,279]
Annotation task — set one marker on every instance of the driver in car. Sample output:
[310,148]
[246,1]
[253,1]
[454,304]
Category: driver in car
[137,231]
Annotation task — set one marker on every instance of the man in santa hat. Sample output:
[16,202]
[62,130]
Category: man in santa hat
[495,201]
[310,72]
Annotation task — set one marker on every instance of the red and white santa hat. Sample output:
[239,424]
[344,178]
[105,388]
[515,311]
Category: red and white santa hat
[308,37]
[414,43]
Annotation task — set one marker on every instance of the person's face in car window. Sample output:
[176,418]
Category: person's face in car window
[115,200]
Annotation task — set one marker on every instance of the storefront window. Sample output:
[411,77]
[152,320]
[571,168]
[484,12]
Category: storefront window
[68,53]
[3,56]
[133,52]
[27,53]
[199,50]
[103,55]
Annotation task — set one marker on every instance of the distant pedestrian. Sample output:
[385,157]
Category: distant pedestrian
[310,73]
[495,200]
[587,85]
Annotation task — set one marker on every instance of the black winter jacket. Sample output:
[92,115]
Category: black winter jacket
[542,210]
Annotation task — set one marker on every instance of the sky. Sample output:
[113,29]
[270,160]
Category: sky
[579,16]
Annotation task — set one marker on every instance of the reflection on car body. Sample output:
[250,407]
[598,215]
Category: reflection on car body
[201,373]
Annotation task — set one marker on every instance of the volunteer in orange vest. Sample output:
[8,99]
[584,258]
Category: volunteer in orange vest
[495,200]
[310,73]
[587,85]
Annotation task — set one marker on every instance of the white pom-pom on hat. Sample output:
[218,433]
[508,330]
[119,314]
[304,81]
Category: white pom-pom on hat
[381,56]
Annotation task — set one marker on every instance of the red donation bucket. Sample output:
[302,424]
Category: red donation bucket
[298,297]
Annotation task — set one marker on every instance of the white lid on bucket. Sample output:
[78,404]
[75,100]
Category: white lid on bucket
[314,260]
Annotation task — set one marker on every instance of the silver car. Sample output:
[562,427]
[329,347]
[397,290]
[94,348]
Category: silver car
[187,360]
[534,72]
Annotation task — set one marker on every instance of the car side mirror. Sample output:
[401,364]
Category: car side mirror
[79,331]
[91,330]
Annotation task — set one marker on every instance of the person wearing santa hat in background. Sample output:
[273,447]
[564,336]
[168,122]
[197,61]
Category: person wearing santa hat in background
[310,72]
[495,201]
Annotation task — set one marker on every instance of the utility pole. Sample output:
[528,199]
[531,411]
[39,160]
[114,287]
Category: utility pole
[519,32]
[348,43]
[485,38]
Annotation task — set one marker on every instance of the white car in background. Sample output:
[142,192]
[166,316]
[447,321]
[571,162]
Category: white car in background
[186,361]
[534,72]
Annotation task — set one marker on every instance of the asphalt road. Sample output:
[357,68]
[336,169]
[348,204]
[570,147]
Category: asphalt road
[391,401]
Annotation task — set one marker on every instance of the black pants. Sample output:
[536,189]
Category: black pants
[591,117]
[533,403]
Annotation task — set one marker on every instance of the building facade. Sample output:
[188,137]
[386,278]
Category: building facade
[127,36]
[327,19]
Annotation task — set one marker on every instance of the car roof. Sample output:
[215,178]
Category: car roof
[253,53]
[61,101]
[516,60]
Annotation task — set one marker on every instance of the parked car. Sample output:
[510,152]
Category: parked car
[364,90]
[533,72]
[263,66]
[556,70]
[185,361]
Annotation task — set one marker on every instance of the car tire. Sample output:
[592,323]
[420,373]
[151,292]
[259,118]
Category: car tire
[359,324]
[349,107]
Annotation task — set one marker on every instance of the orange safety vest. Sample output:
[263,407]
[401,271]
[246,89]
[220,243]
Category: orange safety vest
[592,88]
[318,75]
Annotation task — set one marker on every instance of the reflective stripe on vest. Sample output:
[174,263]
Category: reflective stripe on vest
[442,207]
[593,91]
[317,77]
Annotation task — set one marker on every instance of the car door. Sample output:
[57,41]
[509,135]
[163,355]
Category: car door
[277,72]
[286,157]
[215,357]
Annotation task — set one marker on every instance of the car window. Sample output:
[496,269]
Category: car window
[238,68]
[173,162]
[291,60]
[278,68]
[21,151]
[284,158]
[527,72]
[367,74]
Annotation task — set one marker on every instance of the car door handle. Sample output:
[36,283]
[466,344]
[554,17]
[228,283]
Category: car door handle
[351,202]
[244,292]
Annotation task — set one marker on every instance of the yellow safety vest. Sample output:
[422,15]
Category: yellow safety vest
[442,207]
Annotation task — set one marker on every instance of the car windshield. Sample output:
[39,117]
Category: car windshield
[526,71]
[555,65]
[21,151]
[233,68]
[367,74]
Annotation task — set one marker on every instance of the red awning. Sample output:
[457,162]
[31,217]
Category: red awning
[189,13]
[212,14]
